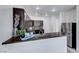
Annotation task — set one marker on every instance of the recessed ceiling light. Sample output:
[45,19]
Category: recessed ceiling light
[53,10]
[37,8]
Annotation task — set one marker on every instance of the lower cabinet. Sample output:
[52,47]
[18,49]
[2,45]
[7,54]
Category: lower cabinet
[51,45]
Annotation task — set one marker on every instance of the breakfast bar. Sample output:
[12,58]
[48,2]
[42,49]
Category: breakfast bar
[44,43]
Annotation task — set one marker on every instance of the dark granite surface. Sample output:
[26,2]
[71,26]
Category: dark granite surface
[36,37]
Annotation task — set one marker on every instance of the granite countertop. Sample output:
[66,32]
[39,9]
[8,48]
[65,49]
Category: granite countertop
[36,37]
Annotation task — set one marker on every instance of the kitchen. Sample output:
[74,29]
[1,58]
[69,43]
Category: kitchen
[36,18]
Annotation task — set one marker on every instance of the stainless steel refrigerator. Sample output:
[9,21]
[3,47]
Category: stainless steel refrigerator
[69,29]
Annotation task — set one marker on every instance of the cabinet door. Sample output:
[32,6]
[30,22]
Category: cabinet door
[29,23]
[18,19]
[38,23]
[18,14]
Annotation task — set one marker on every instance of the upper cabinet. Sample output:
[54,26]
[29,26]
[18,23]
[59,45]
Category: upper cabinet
[18,17]
[34,23]
[29,23]
[38,23]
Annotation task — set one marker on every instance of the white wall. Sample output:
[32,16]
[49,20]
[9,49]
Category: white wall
[69,16]
[77,13]
[63,17]
[5,24]
[54,22]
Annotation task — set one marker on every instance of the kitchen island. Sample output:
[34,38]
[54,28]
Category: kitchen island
[17,39]
[38,44]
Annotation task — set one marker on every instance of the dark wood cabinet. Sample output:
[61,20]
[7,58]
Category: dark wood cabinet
[29,23]
[18,19]
[36,25]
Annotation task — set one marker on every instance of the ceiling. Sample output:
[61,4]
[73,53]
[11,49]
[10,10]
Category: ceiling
[47,9]
[43,9]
